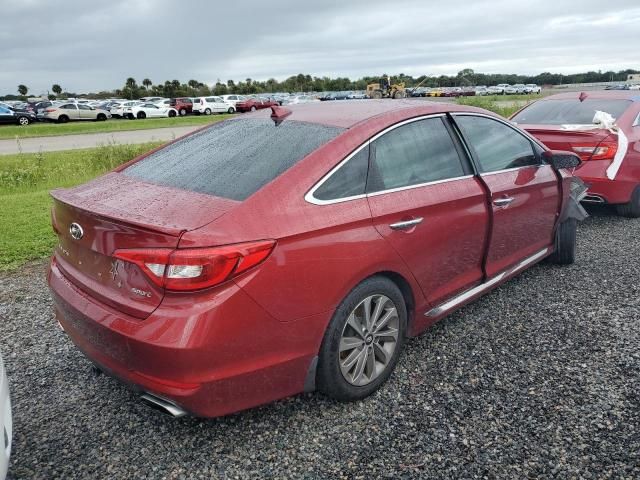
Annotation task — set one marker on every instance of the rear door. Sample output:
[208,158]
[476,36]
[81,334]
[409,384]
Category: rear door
[70,110]
[85,112]
[525,192]
[427,204]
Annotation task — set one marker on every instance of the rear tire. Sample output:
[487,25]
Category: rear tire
[63,119]
[253,108]
[375,352]
[231,110]
[207,111]
[23,121]
[101,117]
[141,116]
[632,208]
[565,243]
[183,112]
[172,114]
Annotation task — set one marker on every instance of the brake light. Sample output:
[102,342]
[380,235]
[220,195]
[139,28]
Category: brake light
[196,268]
[596,151]
[49,110]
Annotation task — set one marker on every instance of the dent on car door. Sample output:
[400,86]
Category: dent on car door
[427,204]
[524,191]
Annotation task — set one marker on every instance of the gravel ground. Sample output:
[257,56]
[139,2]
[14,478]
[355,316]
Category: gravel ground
[539,379]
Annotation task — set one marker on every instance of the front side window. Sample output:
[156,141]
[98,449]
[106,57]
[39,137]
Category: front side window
[419,152]
[84,107]
[348,181]
[495,145]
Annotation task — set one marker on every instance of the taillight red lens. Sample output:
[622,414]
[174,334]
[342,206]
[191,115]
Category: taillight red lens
[596,151]
[196,268]
[49,110]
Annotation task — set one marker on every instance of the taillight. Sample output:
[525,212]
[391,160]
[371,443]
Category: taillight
[596,151]
[49,110]
[196,268]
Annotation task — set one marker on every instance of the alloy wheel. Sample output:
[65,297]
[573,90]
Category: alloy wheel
[369,339]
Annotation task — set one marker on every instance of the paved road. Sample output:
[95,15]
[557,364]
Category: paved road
[89,140]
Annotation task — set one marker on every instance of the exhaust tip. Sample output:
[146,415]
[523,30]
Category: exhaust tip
[590,198]
[165,406]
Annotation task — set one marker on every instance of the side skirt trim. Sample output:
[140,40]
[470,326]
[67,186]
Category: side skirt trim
[464,296]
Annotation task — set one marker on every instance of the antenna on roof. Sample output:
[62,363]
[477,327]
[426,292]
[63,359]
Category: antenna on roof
[278,114]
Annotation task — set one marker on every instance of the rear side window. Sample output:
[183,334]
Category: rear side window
[573,111]
[232,159]
[419,152]
[495,145]
[348,181]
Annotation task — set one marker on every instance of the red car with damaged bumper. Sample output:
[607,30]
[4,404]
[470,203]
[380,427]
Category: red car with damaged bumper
[610,153]
[256,259]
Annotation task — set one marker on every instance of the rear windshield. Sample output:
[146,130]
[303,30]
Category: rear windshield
[232,159]
[560,112]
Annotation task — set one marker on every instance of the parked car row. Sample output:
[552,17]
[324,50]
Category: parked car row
[501,89]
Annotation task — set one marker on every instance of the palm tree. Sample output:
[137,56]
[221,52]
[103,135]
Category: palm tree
[193,84]
[131,83]
[147,83]
[57,89]
[23,89]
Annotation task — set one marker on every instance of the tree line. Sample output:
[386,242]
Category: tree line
[306,83]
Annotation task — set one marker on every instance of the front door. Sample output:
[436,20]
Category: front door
[426,203]
[525,192]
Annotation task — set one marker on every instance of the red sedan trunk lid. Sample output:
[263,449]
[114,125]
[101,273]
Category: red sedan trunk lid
[116,212]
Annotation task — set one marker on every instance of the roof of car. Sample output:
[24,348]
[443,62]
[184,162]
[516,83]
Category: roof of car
[347,113]
[599,94]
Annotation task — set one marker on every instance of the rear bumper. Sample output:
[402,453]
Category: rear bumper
[616,191]
[211,353]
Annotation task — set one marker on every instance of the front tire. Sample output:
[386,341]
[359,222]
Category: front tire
[171,114]
[253,109]
[101,117]
[632,208]
[23,121]
[565,243]
[207,111]
[63,119]
[183,112]
[141,116]
[231,110]
[363,341]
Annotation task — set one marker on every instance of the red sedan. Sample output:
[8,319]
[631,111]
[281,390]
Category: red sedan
[602,127]
[253,104]
[302,250]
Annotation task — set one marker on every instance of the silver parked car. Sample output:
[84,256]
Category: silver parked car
[74,111]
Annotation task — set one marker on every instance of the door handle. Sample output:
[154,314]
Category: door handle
[406,224]
[503,202]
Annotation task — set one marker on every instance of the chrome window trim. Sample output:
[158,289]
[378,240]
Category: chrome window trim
[315,201]
[418,185]
[513,169]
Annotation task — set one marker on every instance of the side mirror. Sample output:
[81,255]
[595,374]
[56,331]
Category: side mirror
[559,159]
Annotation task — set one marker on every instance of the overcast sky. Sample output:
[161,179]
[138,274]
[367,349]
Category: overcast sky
[91,45]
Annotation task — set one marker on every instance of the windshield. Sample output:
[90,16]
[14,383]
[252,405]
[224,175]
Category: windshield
[571,111]
[232,159]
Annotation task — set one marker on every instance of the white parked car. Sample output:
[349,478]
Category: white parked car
[5,422]
[118,110]
[209,105]
[148,110]
[516,89]
[302,99]
[532,88]
[233,99]
[482,90]
[165,102]
[499,89]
